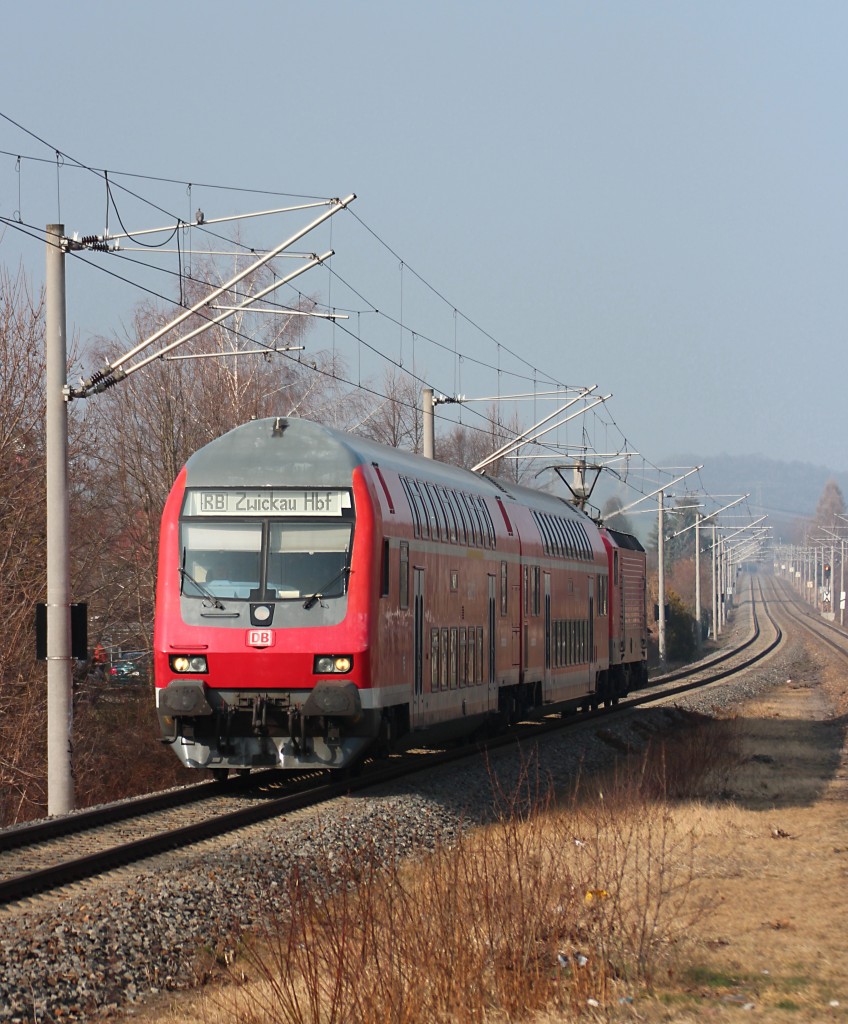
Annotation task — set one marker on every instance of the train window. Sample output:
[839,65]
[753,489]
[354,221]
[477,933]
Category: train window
[467,529]
[587,544]
[504,588]
[560,543]
[426,513]
[447,508]
[472,656]
[404,574]
[304,558]
[480,668]
[474,516]
[437,528]
[454,654]
[603,595]
[547,536]
[461,532]
[537,590]
[454,580]
[490,526]
[526,587]
[445,651]
[384,589]
[434,659]
[441,511]
[429,524]
[570,546]
[615,567]
[224,558]
[463,656]
[413,507]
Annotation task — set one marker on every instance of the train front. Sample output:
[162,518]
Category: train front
[262,630]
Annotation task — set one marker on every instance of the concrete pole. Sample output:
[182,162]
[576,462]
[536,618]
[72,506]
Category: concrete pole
[698,578]
[428,423]
[60,782]
[660,579]
[714,576]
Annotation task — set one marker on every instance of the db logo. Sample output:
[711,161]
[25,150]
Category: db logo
[260,638]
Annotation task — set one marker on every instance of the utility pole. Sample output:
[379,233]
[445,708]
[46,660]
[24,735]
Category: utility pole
[715,585]
[698,578]
[60,782]
[428,423]
[660,579]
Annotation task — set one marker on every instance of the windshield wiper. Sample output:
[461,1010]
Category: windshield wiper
[186,575]
[310,601]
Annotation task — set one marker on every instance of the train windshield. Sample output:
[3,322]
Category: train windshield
[307,558]
[265,560]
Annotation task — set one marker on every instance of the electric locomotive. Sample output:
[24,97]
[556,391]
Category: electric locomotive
[320,595]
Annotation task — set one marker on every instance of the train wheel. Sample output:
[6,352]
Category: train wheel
[220,774]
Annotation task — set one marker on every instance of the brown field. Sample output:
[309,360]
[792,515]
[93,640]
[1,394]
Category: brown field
[661,893]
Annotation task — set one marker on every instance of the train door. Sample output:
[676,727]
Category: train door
[547,681]
[517,659]
[493,696]
[418,644]
[592,657]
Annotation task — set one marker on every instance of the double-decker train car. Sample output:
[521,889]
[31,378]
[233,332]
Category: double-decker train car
[320,595]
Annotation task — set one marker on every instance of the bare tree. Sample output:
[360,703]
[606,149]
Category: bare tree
[395,420]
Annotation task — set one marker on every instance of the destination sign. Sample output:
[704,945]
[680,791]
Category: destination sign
[209,502]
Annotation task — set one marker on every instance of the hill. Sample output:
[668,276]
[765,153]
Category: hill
[786,491]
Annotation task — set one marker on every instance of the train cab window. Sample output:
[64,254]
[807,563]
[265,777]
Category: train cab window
[404,574]
[222,559]
[304,558]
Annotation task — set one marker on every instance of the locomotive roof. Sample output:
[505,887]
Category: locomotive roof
[624,540]
[291,452]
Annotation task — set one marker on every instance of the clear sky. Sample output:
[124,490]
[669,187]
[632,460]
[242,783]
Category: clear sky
[647,196]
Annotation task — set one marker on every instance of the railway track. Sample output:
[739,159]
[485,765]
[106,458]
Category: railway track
[800,614]
[49,855]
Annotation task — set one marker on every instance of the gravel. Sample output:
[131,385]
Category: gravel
[105,946]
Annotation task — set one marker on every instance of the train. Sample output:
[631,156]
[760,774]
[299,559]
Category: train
[322,598]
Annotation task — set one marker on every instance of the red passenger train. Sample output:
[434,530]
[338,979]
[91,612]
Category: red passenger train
[321,595]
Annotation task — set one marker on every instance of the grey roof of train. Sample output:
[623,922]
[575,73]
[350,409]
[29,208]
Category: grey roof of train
[308,454]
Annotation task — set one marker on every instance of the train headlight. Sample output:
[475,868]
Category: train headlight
[188,663]
[325,664]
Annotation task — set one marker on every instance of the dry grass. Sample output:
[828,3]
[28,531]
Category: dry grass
[560,906]
[703,877]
